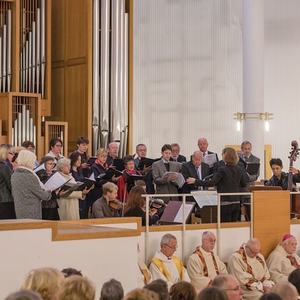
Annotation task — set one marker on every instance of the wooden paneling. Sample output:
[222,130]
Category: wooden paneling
[72,66]
[271,215]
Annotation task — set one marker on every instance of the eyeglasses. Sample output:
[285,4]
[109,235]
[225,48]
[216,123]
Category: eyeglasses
[238,288]
[174,247]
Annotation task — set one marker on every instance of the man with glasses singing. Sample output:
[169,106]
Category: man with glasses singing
[204,265]
[250,269]
[165,265]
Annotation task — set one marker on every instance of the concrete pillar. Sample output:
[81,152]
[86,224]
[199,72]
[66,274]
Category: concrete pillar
[253,75]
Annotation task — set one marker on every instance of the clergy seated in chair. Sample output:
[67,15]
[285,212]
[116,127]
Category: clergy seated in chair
[204,265]
[165,265]
[250,269]
[283,260]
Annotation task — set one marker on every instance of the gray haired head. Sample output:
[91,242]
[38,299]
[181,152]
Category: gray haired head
[112,290]
[165,240]
[24,295]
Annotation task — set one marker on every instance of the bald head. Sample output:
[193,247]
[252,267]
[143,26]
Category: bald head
[197,158]
[202,144]
[285,290]
[253,247]
[208,241]
[230,285]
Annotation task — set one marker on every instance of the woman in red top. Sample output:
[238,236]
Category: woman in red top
[126,182]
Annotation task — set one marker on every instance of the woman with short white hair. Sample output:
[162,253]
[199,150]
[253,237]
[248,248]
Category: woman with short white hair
[27,189]
[69,205]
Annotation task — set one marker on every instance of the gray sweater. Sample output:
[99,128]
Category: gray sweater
[27,194]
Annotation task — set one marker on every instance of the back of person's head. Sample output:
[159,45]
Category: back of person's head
[160,287]
[182,291]
[26,159]
[276,161]
[285,290]
[3,152]
[230,156]
[112,290]
[77,288]
[70,271]
[135,198]
[24,295]
[294,278]
[141,294]
[220,281]
[45,281]
[270,296]
[212,293]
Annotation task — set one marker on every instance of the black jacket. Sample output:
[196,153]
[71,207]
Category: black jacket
[5,185]
[138,212]
[180,159]
[229,179]
[283,181]
[189,170]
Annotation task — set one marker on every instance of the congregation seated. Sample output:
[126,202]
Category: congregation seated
[160,287]
[112,290]
[165,265]
[212,293]
[182,291]
[103,207]
[204,265]
[230,285]
[77,288]
[285,290]
[250,269]
[24,295]
[283,260]
[141,294]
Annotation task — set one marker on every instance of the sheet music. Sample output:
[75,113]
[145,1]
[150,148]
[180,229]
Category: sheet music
[180,181]
[205,198]
[188,209]
[40,167]
[55,182]
[210,159]
[92,177]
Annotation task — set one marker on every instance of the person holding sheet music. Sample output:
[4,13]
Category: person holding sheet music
[82,147]
[113,152]
[176,156]
[141,151]
[248,158]
[99,167]
[77,173]
[194,171]
[27,189]
[229,178]
[126,181]
[68,205]
[49,208]
[165,182]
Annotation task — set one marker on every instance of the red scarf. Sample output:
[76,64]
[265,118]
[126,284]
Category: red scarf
[98,162]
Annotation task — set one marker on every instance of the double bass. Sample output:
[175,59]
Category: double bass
[293,157]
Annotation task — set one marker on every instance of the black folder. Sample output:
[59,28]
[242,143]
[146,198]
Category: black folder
[252,168]
[109,174]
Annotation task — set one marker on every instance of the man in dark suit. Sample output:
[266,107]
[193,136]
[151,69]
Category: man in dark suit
[194,171]
[247,157]
[165,184]
[175,154]
[113,152]
[141,151]
[203,145]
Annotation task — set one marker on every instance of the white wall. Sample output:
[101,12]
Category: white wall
[98,259]
[188,73]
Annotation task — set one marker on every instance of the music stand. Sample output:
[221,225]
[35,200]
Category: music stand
[173,212]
